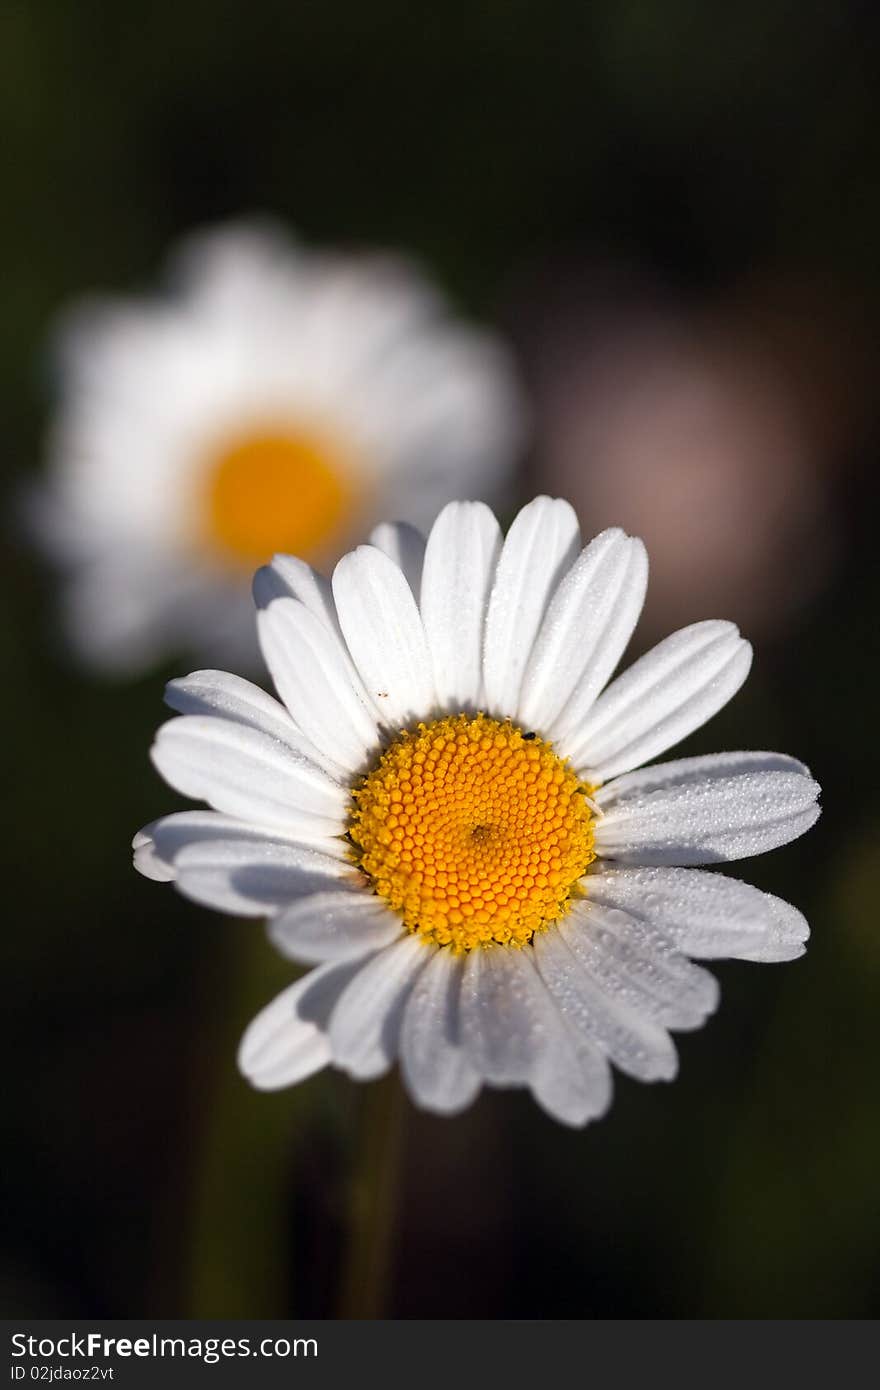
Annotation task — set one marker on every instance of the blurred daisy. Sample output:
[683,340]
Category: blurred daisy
[444,814]
[273,400]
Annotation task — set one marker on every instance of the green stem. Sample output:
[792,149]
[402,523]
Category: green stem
[239,1214]
[374,1192]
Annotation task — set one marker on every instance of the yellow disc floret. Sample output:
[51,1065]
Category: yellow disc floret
[473,831]
[273,489]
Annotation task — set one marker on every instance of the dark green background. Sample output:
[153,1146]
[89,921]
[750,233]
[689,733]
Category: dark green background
[141,1177]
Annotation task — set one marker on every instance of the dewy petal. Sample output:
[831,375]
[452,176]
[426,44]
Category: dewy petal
[634,1042]
[460,560]
[501,1026]
[609,648]
[177,830]
[229,697]
[245,773]
[705,810]
[706,915]
[287,1041]
[405,545]
[289,577]
[365,1024]
[317,682]
[670,691]
[383,629]
[437,1073]
[633,960]
[583,633]
[572,1079]
[157,846]
[256,876]
[335,926]
[541,544]
[687,771]
[514,1035]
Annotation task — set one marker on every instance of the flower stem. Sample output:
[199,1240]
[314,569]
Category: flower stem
[373,1204]
[239,1234]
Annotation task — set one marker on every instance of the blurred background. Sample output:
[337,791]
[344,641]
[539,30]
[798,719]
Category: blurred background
[673,214]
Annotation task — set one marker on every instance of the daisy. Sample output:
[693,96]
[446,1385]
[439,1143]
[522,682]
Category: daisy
[273,399]
[444,814]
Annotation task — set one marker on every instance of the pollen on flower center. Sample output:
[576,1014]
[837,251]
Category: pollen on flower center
[274,489]
[472,831]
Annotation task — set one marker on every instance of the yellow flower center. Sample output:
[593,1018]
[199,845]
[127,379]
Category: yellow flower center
[473,831]
[275,490]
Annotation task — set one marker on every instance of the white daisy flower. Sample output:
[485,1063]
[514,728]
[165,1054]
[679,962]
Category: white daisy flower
[444,815]
[274,399]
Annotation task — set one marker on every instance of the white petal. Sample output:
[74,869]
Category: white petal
[245,773]
[278,1048]
[608,652]
[230,697]
[501,1026]
[317,682]
[119,614]
[145,858]
[289,577]
[404,545]
[541,544]
[460,560]
[670,691]
[255,876]
[635,962]
[705,914]
[685,771]
[335,926]
[287,1040]
[434,1066]
[704,810]
[179,829]
[583,636]
[384,633]
[513,1034]
[572,1079]
[633,1041]
[158,845]
[365,1024]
